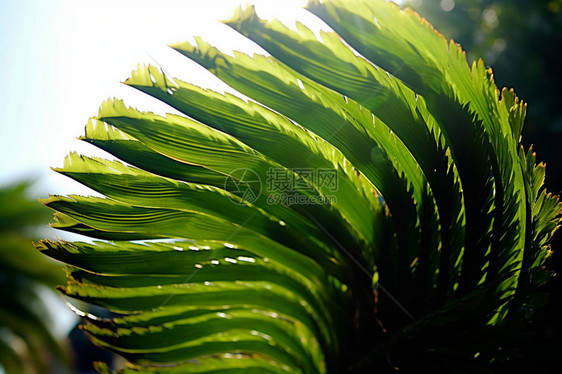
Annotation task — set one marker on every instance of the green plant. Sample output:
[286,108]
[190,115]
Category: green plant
[27,341]
[429,249]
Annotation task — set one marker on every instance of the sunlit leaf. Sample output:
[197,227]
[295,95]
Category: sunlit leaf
[367,208]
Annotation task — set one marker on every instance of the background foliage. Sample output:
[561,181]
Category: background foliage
[27,342]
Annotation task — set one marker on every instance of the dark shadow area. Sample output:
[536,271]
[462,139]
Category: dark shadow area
[521,41]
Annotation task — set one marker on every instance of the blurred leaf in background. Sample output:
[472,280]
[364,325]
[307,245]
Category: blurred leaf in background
[27,340]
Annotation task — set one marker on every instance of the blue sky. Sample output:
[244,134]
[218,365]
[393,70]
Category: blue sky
[26,40]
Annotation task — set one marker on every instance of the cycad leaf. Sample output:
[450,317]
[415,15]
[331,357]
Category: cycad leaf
[437,222]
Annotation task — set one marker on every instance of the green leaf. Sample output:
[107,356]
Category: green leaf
[428,248]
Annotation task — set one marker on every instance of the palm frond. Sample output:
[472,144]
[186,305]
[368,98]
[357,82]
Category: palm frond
[436,219]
